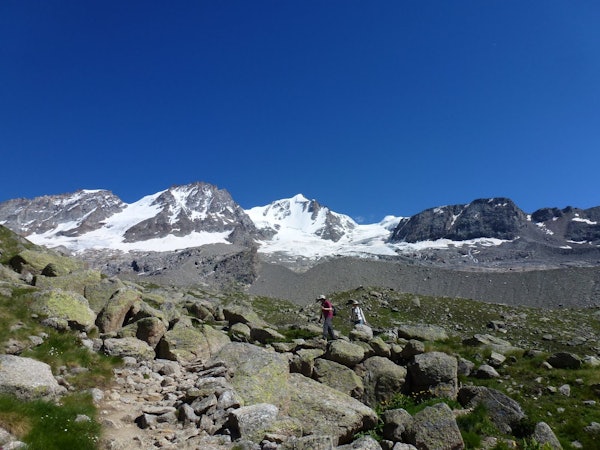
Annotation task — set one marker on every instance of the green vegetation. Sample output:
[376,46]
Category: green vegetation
[46,426]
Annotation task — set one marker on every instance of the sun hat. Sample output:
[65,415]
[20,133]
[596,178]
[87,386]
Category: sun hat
[321,297]
[355,302]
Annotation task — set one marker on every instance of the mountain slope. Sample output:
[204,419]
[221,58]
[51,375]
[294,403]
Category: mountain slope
[302,231]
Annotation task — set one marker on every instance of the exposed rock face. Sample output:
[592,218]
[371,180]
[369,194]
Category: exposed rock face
[492,218]
[205,208]
[42,214]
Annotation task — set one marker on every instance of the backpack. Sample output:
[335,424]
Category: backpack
[334,310]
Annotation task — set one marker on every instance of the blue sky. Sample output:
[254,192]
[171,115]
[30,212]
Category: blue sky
[371,108]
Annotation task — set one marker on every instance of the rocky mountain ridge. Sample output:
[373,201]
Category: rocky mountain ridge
[201,208]
[296,248]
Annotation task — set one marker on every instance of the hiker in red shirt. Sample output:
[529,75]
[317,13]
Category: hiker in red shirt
[326,317]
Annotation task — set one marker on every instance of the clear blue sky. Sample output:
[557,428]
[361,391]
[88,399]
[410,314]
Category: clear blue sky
[371,108]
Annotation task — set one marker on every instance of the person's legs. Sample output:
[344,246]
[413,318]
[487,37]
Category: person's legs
[328,329]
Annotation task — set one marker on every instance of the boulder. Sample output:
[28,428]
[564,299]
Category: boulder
[544,436]
[36,261]
[73,281]
[150,330]
[99,293]
[304,361]
[422,332]
[361,332]
[64,305]
[28,379]
[128,346]
[252,422]
[380,347]
[112,317]
[504,412]
[565,360]
[259,375]
[395,422]
[332,413]
[344,352]
[434,428]
[186,343]
[362,443]
[382,379]
[492,342]
[244,314]
[339,377]
[434,374]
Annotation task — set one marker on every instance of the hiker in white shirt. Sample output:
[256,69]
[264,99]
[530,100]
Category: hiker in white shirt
[356,314]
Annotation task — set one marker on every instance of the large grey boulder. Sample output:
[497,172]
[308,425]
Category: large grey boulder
[112,316]
[28,379]
[544,435]
[422,332]
[362,443]
[148,329]
[252,422]
[345,353]
[332,413]
[128,346]
[186,343]
[259,375]
[382,379]
[338,377]
[434,428]
[395,422]
[434,374]
[303,361]
[504,412]
[494,343]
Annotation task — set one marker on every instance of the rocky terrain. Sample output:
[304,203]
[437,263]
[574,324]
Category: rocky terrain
[221,369]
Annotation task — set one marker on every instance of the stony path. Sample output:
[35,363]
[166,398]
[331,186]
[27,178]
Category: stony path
[140,391]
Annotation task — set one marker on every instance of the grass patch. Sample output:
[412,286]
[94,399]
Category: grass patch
[65,350]
[47,426]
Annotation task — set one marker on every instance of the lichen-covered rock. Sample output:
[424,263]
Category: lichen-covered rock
[242,313]
[434,428]
[38,260]
[332,413]
[339,377]
[112,317]
[149,329]
[345,353]
[63,305]
[501,346]
[128,346]
[72,281]
[186,343]
[252,422]
[260,375]
[99,293]
[544,435]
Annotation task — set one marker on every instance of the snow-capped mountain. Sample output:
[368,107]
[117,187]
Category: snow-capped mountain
[197,214]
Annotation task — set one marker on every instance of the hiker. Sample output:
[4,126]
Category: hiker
[326,317]
[356,314]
